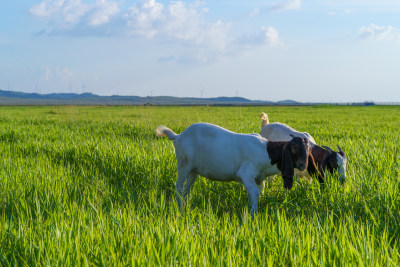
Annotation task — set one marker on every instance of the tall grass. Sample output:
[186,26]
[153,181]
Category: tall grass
[94,186]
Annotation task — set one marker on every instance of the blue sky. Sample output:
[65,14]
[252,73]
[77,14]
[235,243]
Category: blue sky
[269,50]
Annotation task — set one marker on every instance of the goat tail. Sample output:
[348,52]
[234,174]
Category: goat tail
[264,119]
[165,131]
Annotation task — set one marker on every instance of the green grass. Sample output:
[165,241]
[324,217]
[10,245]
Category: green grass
[94,186]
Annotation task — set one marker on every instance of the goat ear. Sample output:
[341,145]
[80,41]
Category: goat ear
[292,135]
[287,167]
[313,168]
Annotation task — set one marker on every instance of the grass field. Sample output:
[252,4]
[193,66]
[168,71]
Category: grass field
[95,186]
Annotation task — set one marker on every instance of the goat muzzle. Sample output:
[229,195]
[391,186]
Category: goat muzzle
[301,166]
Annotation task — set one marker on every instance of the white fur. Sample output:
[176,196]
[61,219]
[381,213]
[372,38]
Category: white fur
[280,132]
[342,165]
[220,155]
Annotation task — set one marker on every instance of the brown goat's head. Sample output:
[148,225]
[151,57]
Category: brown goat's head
[295,155]
[335,161]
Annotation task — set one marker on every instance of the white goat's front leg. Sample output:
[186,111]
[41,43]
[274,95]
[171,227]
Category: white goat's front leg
[254,194]
[248,174]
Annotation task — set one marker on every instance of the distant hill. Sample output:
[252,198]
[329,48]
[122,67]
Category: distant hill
[288,102]
[13,94]
[230,99]
[21,98]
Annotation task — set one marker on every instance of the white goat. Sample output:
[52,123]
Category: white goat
[221,155]
[280,132]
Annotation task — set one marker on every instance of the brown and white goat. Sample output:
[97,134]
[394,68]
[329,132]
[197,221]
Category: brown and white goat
[324,157]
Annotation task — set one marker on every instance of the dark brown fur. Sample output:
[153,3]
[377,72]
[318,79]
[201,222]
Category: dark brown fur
[313,168]
[288,154]
[324,159]
[319,154]
[275,150]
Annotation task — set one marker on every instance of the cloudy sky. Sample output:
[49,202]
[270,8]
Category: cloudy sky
[329,50]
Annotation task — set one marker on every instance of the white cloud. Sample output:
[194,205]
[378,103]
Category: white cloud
[267,36]
[176,21]
[375,32]
[255,12]
[287,5]
[361,3]
[102,12]
[74,11]
[64,74]
[47,8]
[271,35]
[245,44]
[46,72]
[346,11]
[143,18]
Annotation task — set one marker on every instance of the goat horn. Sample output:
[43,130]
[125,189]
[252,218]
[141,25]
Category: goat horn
[340,150]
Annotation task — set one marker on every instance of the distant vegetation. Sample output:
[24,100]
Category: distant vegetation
[95,186]
[20,98]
